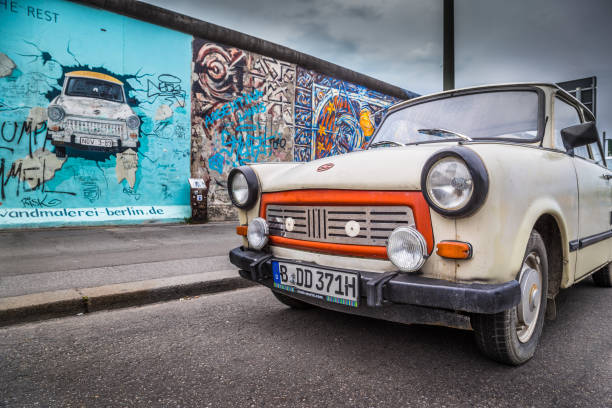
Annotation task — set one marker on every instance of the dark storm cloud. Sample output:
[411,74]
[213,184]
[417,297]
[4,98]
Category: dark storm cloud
[364,12]
[319,34]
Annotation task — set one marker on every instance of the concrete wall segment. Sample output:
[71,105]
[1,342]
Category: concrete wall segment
[42,44]
[228,37]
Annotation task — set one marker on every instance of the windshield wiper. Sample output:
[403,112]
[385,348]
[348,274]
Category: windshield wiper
[443,132]
[386,142]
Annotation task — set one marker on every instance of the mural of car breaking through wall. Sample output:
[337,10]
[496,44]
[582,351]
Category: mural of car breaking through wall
[92,134]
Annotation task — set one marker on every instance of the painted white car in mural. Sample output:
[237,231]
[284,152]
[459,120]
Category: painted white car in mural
[92,113]
[470,208]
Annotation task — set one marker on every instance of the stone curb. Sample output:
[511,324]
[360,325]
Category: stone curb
[47,305]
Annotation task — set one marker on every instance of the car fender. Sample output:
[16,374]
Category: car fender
[525,183]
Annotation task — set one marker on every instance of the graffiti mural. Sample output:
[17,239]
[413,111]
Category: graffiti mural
[242,112]
[334,116]
[87,133]
[111,134]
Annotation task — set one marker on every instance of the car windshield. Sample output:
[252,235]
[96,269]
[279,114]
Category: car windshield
[486,115]
[94,88]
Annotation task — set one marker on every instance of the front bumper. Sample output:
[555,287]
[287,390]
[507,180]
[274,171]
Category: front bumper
[118,145]
[390,289]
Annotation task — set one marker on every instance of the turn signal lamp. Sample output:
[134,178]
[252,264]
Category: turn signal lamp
[454,249]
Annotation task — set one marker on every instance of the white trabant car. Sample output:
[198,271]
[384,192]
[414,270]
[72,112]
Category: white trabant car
[92,113]
[470,208]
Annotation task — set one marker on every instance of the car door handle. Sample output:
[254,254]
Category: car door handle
[606,176]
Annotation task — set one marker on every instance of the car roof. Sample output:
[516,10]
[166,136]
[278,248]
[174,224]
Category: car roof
[92,74]
[491,86]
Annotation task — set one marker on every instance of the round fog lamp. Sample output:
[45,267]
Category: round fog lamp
[257,233]
[407,249]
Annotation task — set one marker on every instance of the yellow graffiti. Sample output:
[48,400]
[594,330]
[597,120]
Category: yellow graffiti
[366,123]
[92,74]
[321,130]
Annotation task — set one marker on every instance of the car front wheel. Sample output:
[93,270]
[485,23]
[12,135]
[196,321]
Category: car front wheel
[511,337]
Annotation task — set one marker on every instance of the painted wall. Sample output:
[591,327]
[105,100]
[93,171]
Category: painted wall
[333,116]
[242,113]
[42,43]
[252,108]
[145,108]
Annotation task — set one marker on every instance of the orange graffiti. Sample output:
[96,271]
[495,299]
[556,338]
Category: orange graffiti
[366,123]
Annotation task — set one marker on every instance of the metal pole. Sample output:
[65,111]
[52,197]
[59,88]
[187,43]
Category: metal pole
[448,62]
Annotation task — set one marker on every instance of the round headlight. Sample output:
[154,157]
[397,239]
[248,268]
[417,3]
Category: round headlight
[407,249]
[449,183]
[55,113]
[243,187]
[240,189]
[132,122]
[455,182]
[257,233]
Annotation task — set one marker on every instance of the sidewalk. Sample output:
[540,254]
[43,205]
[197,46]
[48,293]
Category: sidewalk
[53,272]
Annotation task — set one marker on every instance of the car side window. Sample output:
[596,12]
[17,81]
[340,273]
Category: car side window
[566,115]
[596,153]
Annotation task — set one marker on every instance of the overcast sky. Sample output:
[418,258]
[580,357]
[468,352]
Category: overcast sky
[400,41]
[397,41]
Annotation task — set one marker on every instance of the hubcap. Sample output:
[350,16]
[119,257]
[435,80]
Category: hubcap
[528,309]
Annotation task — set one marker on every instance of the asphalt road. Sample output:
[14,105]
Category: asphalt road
[243,348]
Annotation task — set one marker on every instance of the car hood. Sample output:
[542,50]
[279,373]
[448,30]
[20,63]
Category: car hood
[93,107]
[388,168]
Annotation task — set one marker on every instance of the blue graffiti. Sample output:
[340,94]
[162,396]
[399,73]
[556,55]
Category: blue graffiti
[250,143]
[237,104]
[215,162]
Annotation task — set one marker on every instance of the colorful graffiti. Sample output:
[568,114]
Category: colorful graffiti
[333,116]
[112,134]
[99,134]
[242,112]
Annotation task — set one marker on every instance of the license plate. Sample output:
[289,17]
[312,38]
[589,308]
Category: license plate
[90,141]
[325,284]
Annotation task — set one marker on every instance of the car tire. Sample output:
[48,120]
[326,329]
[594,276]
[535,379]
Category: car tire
[512,336]
[60,152]
[291,302]
[603,277]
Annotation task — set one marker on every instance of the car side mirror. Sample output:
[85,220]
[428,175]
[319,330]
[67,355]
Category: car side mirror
[579,135]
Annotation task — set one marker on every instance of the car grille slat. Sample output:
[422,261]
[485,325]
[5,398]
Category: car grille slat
[327,224]
[95,128]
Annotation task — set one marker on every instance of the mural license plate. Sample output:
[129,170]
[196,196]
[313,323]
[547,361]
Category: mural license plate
[90,141]
[324,284]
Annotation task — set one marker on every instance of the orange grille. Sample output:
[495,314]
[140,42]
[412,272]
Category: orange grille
[315,198]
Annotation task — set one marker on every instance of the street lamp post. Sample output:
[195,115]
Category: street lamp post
[448,60]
